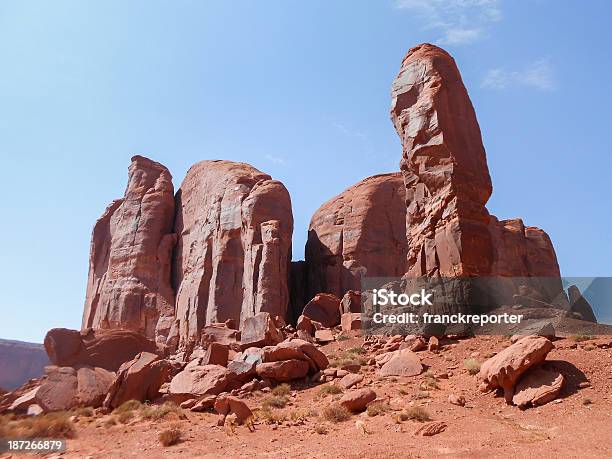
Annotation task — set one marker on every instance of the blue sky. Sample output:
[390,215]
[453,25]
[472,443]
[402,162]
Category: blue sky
[299,89]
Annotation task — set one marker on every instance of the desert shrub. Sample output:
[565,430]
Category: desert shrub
[421,395]
[274,401]
[336,413]
[430,381]
[378,408]
[169,437]
[51,425]
[357,350]
[125,416]
[321,429]
[157,412]
[472,366]
[342,338]
[589,347]
[270,417]
[414,413]
[130,405]
[111,421]
[580,338]
[587,401]
[402,392]
[330,389]
[86,411]
[281,389]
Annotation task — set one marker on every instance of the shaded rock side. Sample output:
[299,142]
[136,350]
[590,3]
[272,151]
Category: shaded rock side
[19,362]
[129,283]
[362,231]
[449,230]
[234,226]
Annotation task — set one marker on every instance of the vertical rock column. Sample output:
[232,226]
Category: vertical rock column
[234,248]
[130,260]
[444,167]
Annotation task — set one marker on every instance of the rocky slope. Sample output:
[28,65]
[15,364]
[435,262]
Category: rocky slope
[20,361]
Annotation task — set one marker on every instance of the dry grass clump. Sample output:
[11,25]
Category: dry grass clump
[321,429]
[281,389]
[414,413]
[130,405]
[357,350]
[270,417]
[402,392]
[330,389]
[157,412]
[336,413]
[422,394]
[587,401]
[274,401]
[125,416]
[580,338]
[377,408]
[110,421]
[86,412]
[430,381]
[50,425]
[472,366]
[169,437]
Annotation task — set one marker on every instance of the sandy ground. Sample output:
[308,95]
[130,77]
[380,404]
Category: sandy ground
[579,424]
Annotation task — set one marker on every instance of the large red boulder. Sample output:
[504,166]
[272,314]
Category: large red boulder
[504,369]
[538,386]
[130,261]
[140,379]
[234,226]
[107,349]
[283,370]
[198,379]
[64,388]
[325,309]
[362,231]
[260,330]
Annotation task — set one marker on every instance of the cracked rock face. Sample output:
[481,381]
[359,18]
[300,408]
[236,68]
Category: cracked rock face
[234,226]
[359,232]
[130,261]
[450,233]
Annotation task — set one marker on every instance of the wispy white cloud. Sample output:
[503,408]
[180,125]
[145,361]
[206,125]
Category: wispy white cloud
[538,75]
[348,131]
[276,159]
[460,22]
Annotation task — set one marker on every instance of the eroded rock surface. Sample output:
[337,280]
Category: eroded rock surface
[449,230]
[234,227]
[362,231]
[130,260]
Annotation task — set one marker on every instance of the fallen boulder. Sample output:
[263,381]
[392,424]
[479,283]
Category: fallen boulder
[260,330]
[107,349]
[140,379]
[538,386]
[357,400]
[64,388]
[402,363]
[283,371]
[505,368]
[324,308]
[202,380]
[350,321]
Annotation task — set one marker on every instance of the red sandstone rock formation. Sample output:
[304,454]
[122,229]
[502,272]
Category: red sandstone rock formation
[359,232]
[449,230]
[129,269]
[234,227]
